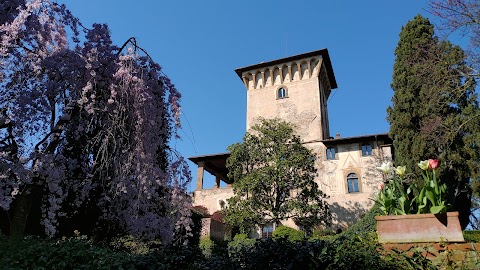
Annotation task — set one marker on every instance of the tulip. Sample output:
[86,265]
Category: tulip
[400,170]
[385,168]
[423,165]
[380,186]
[433,163]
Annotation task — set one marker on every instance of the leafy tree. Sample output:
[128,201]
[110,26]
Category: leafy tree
[434,110]
[84,130]
[273,178]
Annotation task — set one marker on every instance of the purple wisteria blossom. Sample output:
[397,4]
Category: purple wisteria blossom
[85,129]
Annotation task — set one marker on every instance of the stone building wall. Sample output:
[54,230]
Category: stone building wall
[212,198]
[216,230]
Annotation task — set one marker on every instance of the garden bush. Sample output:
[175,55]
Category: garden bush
[364,252]
[206,246]
[133,245]
[366,225]
[243,253]
[288,233]
[471,236]
[321,234]
[238,247]
[78,253]
[72,253]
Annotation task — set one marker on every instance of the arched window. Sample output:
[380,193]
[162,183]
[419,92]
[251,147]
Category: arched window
[366,149]
[281,92]
[352,183]
[331,153]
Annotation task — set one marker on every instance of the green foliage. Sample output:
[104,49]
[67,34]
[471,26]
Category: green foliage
[344,253]
[197,214]
[430,198]
[364,252]
[206,246]
[321,234]
[435,110]
[471,236]
[366,225]
[239,246]
[132,245]
[273,178]
[283,254]
[243,253]
[77,253]
[288,233]
[73,253]
[393,200]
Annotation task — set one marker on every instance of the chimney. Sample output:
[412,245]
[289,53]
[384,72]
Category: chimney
[337,136]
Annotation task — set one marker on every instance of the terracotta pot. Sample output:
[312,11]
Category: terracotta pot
[421,228]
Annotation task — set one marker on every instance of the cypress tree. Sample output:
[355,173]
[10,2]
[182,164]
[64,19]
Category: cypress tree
[434,112]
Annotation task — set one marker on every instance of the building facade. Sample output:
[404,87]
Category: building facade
[296,89]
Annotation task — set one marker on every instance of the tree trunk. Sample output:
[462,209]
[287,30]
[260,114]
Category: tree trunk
[19,214]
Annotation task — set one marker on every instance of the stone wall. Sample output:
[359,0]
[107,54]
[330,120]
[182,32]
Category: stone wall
[443,256]
[216,230]
[212,198]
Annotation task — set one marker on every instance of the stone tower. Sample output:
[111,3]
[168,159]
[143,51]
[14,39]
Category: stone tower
[295,89]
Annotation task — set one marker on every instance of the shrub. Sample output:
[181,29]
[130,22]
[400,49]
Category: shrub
[206,246]
[472,236]
[284,254]
[239,248]
[321,234]
[364,226]
[197,215]
[240,243]
[133,245]
[72,253]
[77,253]
[288,233]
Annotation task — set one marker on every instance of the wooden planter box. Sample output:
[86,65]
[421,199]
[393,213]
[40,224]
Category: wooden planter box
[421,228]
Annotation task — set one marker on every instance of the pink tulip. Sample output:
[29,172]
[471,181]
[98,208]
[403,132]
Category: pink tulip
[433,163]
[380,186]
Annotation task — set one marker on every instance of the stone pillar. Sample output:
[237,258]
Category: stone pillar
[200,172]
[217,181]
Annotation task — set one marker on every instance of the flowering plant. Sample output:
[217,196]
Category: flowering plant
[394,199]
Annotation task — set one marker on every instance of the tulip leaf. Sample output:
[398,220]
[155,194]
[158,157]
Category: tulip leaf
[438,209]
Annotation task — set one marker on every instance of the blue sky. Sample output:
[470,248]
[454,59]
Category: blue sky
[200,43]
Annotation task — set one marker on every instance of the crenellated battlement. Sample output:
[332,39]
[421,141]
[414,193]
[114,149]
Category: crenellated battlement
[290,69]
[276,75]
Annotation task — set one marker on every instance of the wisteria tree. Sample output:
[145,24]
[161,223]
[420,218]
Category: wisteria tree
[85,128]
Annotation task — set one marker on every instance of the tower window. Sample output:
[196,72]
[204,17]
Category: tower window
[366,150]
[352,183]
[281,93]
[331,153]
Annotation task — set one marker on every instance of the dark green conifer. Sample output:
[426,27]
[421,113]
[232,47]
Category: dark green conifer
[435,112]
